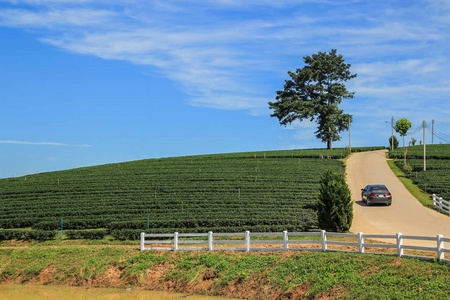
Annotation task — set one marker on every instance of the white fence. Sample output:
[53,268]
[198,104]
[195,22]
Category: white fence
[441,204]
[220,241]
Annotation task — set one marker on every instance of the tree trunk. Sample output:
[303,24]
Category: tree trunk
[329,139]
[404,156]
[404,152]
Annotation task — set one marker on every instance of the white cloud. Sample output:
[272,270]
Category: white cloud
[74,17]
[41,143]
[411,67]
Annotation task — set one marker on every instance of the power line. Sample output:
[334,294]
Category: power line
[442,136]
[415,130]
[431,129]
[442,122]
[441,133]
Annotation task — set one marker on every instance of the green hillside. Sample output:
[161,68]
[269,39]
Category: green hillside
[436,179]
[260,191]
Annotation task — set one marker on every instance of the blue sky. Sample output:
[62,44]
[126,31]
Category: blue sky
[89,82]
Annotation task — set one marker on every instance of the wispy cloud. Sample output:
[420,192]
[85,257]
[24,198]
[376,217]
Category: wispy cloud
[213,48]
[49,18]
[42,143]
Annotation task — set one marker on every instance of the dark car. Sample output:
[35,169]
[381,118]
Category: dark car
[376,193]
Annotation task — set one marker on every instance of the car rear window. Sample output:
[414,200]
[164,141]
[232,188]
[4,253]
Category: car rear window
[379,189]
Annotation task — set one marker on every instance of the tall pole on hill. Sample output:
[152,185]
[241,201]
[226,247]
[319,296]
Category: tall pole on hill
[349,136]
[392,136]
[424,148]
[432,132]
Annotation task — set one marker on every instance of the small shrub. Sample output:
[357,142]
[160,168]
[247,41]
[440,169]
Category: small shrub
[335,206]
[126,234]
[407,169]
[395,142]
[6,235]
[40,235]
[86,234]
[33,235]
[48,225]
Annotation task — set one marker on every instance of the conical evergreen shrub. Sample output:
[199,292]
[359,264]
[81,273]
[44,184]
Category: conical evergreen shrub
[335,207]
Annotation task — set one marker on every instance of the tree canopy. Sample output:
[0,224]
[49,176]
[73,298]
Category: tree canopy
[315,92]
[401,127]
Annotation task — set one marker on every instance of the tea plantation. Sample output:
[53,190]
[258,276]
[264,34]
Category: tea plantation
[256,191]
[436,179]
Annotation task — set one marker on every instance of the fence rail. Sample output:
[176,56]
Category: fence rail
[244,242]
[441,204]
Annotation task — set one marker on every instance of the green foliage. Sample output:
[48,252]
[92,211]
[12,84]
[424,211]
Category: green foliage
[402,126]
[395,142]
[335,206]
[315,92]
[126,234]
[86,234]
[407,169]
[438,152]
[26,235]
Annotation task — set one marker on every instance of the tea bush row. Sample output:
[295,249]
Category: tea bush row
[436,179]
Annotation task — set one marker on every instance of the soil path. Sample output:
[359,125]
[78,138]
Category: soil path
[405,215]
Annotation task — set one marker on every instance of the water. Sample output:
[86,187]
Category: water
[41,292]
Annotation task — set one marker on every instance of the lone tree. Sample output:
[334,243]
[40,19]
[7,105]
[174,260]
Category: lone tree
[393,138]
[401,127]
[315,92]
[335,206]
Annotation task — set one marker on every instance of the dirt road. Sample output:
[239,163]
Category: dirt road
[405,215]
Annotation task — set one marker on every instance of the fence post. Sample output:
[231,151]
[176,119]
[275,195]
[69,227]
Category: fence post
[247,241]
[285,240]
[210,240]
[324,240]
[399,244]
[142,241]
[175,241]
[440,247]
[360,242]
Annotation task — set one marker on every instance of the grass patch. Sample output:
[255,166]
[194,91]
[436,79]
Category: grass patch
[255,275]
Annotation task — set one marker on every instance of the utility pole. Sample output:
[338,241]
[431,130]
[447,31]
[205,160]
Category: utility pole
[392,136]
[432,132]
[349,136]
[424,148]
